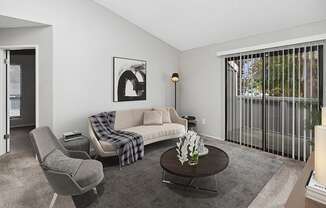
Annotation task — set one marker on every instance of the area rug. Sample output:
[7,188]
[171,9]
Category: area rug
[139,185]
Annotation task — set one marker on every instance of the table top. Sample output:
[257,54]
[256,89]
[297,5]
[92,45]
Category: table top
[189,118]
[212,163]
[76,141]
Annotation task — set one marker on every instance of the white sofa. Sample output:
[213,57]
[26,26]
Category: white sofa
[132,120]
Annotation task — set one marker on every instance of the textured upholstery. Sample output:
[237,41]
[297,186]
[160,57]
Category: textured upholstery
[155,131]
[46,142]
[58,161]
[151,133]
[89,172]
[165,114]
[107,146]
[88,175]
[153,118]
[129,118]
[132,120]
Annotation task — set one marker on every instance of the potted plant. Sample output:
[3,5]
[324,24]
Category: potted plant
[187,148]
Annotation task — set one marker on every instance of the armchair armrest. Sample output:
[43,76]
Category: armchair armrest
[177,119]
[78,154]
[62,183]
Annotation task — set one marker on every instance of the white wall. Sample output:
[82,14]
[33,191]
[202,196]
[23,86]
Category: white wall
[85,38]
[202,76]
[42,37]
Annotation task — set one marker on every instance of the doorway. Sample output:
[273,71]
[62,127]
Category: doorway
[20,99]
[273,99]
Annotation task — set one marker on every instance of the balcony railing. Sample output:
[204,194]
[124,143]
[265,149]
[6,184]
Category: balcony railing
[287,121]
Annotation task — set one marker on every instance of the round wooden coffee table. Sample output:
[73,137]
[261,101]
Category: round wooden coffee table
[209,165]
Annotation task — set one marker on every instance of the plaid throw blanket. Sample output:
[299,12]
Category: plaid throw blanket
[130,145]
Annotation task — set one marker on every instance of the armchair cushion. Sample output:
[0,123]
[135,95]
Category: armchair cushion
[58,161]
[89,172]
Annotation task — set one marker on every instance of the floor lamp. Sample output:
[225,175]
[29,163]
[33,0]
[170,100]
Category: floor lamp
[175,79]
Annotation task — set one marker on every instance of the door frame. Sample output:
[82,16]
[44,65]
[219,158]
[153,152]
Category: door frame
[23,47]
[3,110]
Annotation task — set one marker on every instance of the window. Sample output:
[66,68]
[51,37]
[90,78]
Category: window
[15,90]
[274,97]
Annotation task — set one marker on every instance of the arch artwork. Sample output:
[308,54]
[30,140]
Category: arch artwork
[129,79]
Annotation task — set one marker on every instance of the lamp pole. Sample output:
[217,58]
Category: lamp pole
[175,79]
[175,95]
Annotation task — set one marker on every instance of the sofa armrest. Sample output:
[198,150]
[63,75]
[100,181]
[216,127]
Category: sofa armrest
[175,118]
[96,144]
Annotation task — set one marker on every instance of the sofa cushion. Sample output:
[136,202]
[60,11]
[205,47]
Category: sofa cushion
[149,132]
[154,131]
[58,161]
[89,172]
[153,118]
[174,129]
[165,114]
[129,118]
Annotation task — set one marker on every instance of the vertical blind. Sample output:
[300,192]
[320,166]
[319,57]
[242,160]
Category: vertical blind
[273,98]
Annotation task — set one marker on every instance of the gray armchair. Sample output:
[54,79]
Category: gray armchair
[86,178]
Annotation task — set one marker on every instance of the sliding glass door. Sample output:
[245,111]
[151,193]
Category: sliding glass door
[273,99]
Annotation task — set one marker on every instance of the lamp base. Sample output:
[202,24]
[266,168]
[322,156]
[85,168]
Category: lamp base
[315,190]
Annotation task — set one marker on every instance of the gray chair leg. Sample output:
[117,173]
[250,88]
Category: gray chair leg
[54,198]
[95,190]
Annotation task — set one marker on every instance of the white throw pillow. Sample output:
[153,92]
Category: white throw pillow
[153,118]
[165,114]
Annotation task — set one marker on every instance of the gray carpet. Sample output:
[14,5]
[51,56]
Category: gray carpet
[139,185]
[22,182]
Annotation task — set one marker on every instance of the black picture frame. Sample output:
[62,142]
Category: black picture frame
[129,79]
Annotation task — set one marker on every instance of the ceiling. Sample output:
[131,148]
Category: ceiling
[9,22]
[187,24]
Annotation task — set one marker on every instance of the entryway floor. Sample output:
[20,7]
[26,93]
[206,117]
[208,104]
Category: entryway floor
[20,141]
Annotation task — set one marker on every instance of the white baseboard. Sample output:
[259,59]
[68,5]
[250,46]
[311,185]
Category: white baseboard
[210,136]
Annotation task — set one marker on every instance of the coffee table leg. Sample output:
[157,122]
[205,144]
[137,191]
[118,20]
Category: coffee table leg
[191,181]
[189,185]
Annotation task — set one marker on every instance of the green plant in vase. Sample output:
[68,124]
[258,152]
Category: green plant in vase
[193,146]
[187,148]
[194,158]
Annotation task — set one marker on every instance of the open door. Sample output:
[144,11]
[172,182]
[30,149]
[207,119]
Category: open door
[7,116]
[4,98]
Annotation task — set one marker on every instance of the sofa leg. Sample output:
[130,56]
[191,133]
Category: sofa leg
[120,166]
[54,198]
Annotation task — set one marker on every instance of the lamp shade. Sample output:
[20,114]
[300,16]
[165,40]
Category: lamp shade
[175,77]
